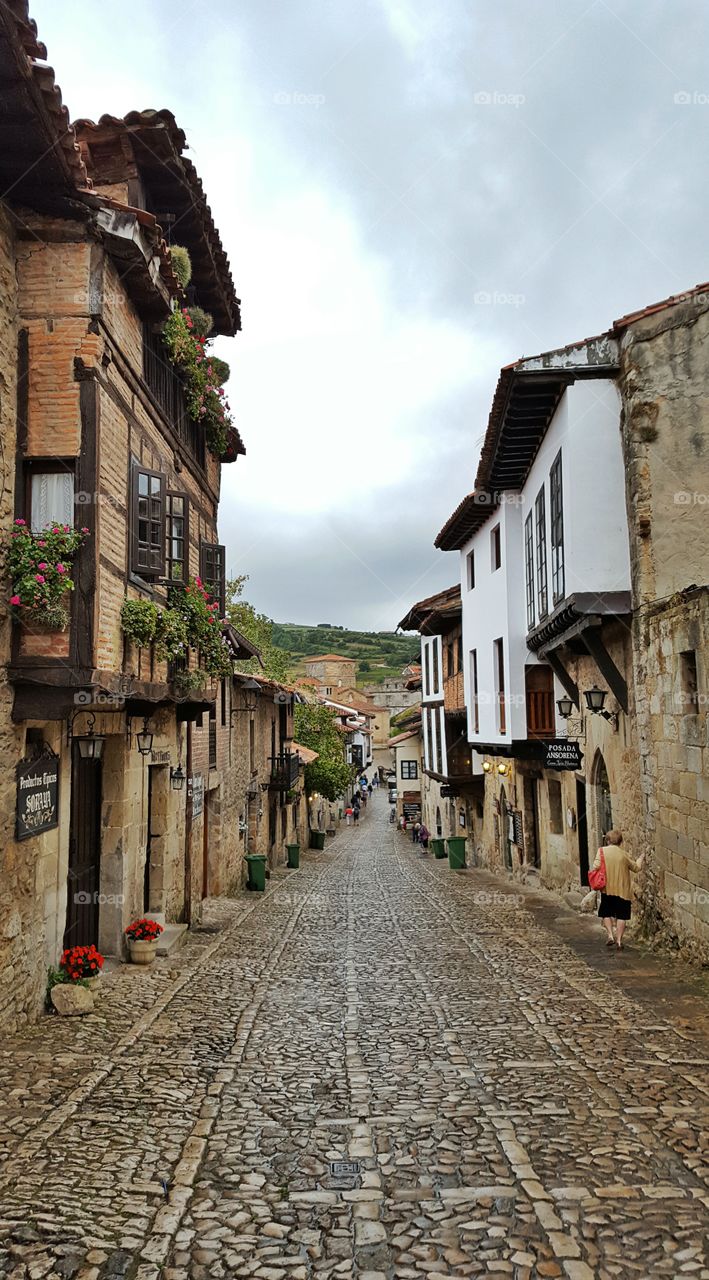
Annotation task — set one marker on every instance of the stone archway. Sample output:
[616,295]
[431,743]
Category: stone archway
[602,796]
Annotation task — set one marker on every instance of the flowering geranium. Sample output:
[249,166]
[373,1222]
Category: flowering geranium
[144,930]
[38,565]
[80,962]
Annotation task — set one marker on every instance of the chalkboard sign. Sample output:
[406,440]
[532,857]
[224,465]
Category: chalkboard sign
[412,812]
[37,807]
[562,754]
[195,793]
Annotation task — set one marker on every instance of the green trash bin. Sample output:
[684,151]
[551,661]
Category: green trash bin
[438,847]
[456,853]
[293,851]
[317,839]
[256,862]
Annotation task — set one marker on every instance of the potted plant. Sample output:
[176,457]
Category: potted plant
[39,565]
[82,964]
[143,938]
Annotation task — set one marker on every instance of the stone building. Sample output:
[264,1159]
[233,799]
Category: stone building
[584,609]
[406,753]
[396,693]
[97,435]
[332,673]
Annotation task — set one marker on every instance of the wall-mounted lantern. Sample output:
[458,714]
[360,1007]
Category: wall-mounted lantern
[91,744]
[144,739]
[595,699]
[566,707]
[177,778]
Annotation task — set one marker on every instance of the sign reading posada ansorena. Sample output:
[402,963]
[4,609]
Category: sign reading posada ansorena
[37,807]
[562,753]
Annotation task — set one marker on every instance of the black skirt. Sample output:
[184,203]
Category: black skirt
[614,908]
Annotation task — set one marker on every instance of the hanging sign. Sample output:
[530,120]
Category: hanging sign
[195,794]
[562,753]
[37,807]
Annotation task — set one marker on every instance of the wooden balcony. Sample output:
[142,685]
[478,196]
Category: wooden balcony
[166,387]
[284,771]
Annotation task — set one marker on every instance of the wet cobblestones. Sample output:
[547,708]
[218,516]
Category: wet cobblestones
[511,1111]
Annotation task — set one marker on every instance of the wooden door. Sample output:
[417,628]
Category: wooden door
[205,848]
[582,829]
[83,880]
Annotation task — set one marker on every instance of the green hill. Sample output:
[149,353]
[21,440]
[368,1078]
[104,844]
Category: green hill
[379,654]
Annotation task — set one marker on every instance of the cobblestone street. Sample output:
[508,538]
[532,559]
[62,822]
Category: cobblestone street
[506,1108]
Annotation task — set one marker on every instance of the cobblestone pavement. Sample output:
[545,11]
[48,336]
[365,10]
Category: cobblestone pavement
[502,1107]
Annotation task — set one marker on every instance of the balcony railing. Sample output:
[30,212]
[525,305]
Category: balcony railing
[167,387]
[284,771]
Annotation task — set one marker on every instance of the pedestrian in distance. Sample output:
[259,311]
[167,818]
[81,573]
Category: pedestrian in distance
[355,814]
[348,815]
[614,866]
[415,832]
[424,837]
[369,789]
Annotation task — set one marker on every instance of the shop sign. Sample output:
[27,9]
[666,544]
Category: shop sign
[37,806]
[160,757]
[195,794]
[562,753]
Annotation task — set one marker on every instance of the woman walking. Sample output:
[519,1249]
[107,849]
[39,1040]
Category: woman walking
[614,909]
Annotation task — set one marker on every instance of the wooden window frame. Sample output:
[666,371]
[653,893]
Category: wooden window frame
[499,651]
[496,548]
[474,690]
[409,770]
[214,550]
[556,530]
[169,560]
[529,570]
[540,522]
[470,561]
[157,549]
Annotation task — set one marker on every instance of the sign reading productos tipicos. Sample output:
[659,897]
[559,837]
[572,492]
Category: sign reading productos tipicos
[37,806]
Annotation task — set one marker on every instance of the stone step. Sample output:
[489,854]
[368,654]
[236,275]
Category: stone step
[171,938]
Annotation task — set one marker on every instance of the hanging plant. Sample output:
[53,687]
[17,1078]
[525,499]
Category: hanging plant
[171,635]
[139,619]
[39,565]
[203,374]
[181,264]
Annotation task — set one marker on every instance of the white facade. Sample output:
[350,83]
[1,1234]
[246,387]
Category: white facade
[433,725]
[533,578]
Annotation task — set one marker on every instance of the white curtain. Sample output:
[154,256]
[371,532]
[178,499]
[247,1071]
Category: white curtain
[52,499]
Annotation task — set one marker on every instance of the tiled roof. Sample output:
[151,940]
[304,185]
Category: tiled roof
[329,657]
[157,144]
[444,604]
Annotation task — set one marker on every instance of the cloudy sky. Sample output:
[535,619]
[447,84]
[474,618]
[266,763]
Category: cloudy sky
[411,195]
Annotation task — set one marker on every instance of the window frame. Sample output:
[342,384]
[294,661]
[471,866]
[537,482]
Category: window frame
[496,548]
[556,530]
[409,770]
[169,559]
[499,657]
[474,690]
[147,573]
[540,524]
[45,466]
[529,570]
[216,550]
[470,563]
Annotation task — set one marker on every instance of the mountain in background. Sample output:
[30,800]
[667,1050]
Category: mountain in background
[379,654]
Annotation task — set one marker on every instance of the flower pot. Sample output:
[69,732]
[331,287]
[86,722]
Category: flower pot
[93,983]
[142,950]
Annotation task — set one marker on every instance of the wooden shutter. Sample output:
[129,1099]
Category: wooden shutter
[213,562]
[148,522]
[177,537]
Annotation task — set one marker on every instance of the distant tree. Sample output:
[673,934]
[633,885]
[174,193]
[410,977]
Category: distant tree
[257,628]
[315,726]
[364,666]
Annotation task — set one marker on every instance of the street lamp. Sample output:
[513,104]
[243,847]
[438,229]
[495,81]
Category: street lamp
[566,707]
[502,768]
[91,745]
[177,778]
[595,698]
[144,739]
[486,766]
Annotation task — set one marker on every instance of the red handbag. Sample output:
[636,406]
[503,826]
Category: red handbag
[597,878]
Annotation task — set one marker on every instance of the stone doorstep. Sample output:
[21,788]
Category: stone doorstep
[172,937]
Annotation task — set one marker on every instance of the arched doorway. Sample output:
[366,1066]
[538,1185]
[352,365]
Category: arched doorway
[439,823]
[602,796]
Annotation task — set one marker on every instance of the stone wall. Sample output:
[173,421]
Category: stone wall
[664,381]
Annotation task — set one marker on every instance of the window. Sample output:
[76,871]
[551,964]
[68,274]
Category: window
[212,572]
[556,819]
[459,653]
[148,523]
[604,801]
[439,741]
[499,659]
[176,537]
[529,569]
[213,736]
[427,669]
[409,770]
[450,648]
[495,548]
[474,689]
[471,570]
[50,494]
[223,702]
[688,681]
[556,521]
[541,519]
[435,658]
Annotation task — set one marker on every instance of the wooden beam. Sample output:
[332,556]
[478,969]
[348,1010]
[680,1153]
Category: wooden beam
[564,678]
[592,640]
